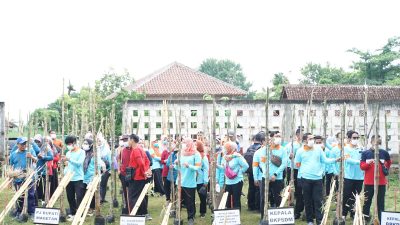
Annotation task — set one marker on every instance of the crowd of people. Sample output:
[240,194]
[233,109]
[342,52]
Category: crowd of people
[313,160]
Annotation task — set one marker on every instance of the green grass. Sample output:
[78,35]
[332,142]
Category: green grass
[156,205]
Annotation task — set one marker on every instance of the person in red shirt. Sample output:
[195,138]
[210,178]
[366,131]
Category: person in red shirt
[368,164]
[124,156]
[139,165]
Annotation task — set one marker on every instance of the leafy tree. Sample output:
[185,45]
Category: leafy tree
[226,70]
[278,81]
[317,74]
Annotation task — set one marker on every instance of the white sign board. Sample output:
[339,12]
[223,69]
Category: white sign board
[227,217]
[390,218]
[132,220]
[280,216]
[46,216]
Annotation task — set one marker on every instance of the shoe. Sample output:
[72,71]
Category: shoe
[70,218]
[191,222]
[202,216]
[297,216]
[90,212]
[148,217]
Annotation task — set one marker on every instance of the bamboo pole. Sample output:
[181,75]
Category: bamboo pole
[5,183]
[140,199]
[286,194]
[386,134]
[339,212]
[291,183]
[328,203]
[24,214]
[88,206]
[62,215]
[113,173]
[212,158]
[266,172]
[310,102]
[18,194]
[365,116]
[376,168]
[166,216]
[60,189]
[325,127]
[222,203]
[177,220]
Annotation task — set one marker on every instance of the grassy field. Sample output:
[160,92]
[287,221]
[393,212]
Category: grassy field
[156,205]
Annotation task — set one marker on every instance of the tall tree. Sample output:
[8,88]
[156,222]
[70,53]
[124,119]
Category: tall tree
[278,81]
[226,70]
[317,74]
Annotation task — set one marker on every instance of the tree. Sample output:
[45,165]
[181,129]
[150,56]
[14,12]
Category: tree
[278,81]
[225,70]
[317,74]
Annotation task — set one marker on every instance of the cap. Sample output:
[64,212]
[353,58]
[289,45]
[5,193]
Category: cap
[125,136]
[21,140]
[231,133]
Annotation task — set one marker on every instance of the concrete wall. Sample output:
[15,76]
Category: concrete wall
[250,117]
[2,131]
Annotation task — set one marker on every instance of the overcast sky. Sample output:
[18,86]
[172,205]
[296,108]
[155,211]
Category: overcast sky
[43,41]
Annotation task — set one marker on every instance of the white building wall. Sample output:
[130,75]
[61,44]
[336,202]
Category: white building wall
[253,118]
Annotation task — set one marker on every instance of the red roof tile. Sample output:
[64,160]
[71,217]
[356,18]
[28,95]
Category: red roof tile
[179,80]
[339,92]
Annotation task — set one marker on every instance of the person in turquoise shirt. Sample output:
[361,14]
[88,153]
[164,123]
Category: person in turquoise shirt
[202,178]
[74,163]
[44,154]
[188,166]
[310,161]
[156,167]
[331,170]
[105,157]
[235,163]
[353,175]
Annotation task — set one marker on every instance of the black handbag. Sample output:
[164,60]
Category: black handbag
[130,174]
[384,169]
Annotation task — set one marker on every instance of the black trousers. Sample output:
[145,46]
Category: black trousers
[189,197]
[41,187]
[369,192]
[350,189]
[203,200]
[158,182]
[53,182]
[167,189]
[274,189]
[234,195]
[103,185]
[75,192]
[92,205]
[312,193]
[125,200]
[135,188]
[328,181]
[298,194]
[253,194]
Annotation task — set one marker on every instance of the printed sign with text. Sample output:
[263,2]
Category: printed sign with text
[132,220]
[390,218]
[46,216]
[281,216]
[227,217]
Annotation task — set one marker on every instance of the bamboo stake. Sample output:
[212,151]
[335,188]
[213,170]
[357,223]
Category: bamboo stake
[325,126]
[328,203]
[88,205]
[140,199]
[24,214]
[266,173]
[85,203]
[177,220]
[376,168]
[291,183]
[386,134]
[212,158]
[18,194]
[5,183]
[60,189]
[339,206]
[222,203]
[113,173]
[166,216]
[286,194]
[365,115]
[62,215]
[309,110]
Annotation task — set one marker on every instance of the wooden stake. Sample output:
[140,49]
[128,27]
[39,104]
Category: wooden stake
[60,189]
[365,116]
[339,206]
[222,203]
[291,183]
[266,184]
[178,203]
[166,216]
[28,164]
[62,153]
[376,168]
[286,194]
[328,203]
[212,155]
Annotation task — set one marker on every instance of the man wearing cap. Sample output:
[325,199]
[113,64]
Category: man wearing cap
[123,162]
[18,161]
[44,155]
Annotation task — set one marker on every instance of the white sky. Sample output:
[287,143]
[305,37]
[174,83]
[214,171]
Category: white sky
[43,41]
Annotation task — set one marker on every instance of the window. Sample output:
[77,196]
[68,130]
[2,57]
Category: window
[239,113]
[389,137]
[325,113]
[146,137]
[146,112]
[301,112]
[276,113]
[193,113]
[337,112]
[387,112]
[313,112]
[193,136]
[251,113]
[158,124]
[216,112]
[227,125]
[349,112]
[275,128]
[169,113]
[217,125]
[135,113]
[158,112]
[227,112]
[171,125]
[361,113]
[135,125]
[158,136]
[193,125]
[182,124]
[146,125]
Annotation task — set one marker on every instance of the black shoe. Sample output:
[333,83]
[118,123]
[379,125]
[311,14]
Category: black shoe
[297,216]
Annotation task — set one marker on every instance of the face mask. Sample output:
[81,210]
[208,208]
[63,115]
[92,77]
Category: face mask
[277,141]
[70,147]
[310,143]
[120,143]
[354,142]
[85,147]
[125,144]
[317,145]
[165,142]
[53,136]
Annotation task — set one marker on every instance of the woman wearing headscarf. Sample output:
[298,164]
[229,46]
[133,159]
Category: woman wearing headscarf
[235,165]
[202,178]
[157,167]
[189,164]
[88,168]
